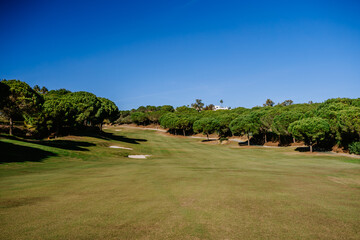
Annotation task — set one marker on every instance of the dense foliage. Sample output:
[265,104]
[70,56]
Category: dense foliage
[355,148]
[311,130]
[18,98]
[50,112]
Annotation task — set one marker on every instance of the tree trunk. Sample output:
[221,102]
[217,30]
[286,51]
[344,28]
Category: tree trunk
[184,132]
[279,139]
[311,148]
[248,139]
[11,126]
[294,140]
[57,131]
[265,138]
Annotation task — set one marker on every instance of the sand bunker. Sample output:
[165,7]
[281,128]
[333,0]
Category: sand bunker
[121,147]
[139,156]
[118,130]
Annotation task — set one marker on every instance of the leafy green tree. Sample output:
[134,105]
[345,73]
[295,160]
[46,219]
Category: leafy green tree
[198,105]
[44,90]
[58,111]
[311,130]
[168,120]
[167,108]
[124,117]
[141,109]
[87,106]
[139,118]
[183,123]
[36,88]
[224,124]
[329,110]
[185,109]
[4,94]
[245,124]
[210,107]
[287,103]
[108,110]
[240,110]
[155,116]
[21,99]
[206,126]
[282,122]
[267,118]
[354,148]
[59,92]
[269,103]
[349,120]
[150,108]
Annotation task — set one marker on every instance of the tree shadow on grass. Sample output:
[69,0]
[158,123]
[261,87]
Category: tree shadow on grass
[66,144]
[62,144]
[10,152]
[111,136]
[315,149]
[302,149]
[243,143]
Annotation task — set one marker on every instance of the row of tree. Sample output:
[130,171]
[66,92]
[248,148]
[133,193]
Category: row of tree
[52,111]
[333,122]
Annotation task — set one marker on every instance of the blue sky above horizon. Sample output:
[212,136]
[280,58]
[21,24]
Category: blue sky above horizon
[172,52]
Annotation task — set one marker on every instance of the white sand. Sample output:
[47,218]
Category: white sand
[118,130]
[121,147]
[138,156]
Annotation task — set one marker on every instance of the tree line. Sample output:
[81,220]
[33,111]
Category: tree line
[53,112]
[335,122]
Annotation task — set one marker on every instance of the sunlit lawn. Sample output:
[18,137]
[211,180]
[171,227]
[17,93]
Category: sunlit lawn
[79,188]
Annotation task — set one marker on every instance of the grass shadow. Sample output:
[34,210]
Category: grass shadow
[66,144]
[209,140]
[315,149]
[111,136]
[62,144]
[302,149]
[244,143]
[16,153]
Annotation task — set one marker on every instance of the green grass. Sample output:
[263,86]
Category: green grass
[78,188]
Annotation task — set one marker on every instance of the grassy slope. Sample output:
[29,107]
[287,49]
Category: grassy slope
[187,190]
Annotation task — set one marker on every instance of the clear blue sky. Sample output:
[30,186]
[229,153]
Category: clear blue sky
[171,52]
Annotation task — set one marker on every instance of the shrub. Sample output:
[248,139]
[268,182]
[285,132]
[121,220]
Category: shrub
[355,148]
